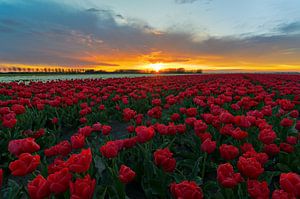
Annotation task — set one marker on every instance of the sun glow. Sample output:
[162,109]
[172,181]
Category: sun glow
[156,67]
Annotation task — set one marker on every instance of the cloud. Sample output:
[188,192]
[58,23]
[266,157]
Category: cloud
[93,10]
[166,60]
[191,1]
[185,1]
[54,36]
[293,27]
[67,36]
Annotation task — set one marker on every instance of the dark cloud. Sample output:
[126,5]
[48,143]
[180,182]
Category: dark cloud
[93,10]
[5,29]
[9,22]
[48,33]
[185,1]
[290,28]
[8,25]
[120,16]
[192,1]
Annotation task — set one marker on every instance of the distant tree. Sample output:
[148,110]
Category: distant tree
[13,69]
[199,71]
[180,70]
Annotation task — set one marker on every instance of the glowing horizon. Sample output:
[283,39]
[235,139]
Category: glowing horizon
[111,35]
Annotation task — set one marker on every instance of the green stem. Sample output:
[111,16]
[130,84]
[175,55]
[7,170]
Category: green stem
[179,172]
[203,168]
[228,193]
[171,142]
[240,191]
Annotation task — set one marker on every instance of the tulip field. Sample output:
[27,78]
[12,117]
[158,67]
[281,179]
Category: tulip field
[217,136]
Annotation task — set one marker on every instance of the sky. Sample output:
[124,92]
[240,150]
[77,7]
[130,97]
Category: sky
[213,35]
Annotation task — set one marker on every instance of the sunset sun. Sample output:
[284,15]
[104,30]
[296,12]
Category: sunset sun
[156,67]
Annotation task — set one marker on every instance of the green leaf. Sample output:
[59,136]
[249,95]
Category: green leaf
[196,168]
[99,164]
[268,175]
[283,167]
[217,195]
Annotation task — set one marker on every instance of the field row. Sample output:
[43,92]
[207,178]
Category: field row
[183,137]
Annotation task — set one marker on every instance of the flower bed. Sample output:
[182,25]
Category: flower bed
[190,136]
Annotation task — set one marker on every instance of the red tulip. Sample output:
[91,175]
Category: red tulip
[191,112]
[190,121]
[4,110]
[39,133]
[86,131]
[271,149]
[97,127]
[182,110]
[175,117]
[262,158]
[161,129]
[9,123]
[82,188]
[57,165]
[242,121]
[38,188]
[181,128]
[294,113]
[238,134]
[246,147]
[130,142]
[228,152]
[186,190]
[258,190]
[290,182]
[80,163]
[155,112]
[208,146]
[26,164]
[226,176]
[286,122]
[18,109]
[249,167]
[54,120]
[164,158]
[281,194]
[199,126]
[110,149]
[144,133]
[226,117]
[285,104]
[106,129]
[126,175]
[291,140]
[101,107]
[267,136]
[297,125]
[63,148]
[26,145]
[171,129]
[130,129]
[77,141]
[286,147]
[59,181]
[128,114]
[156,102]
